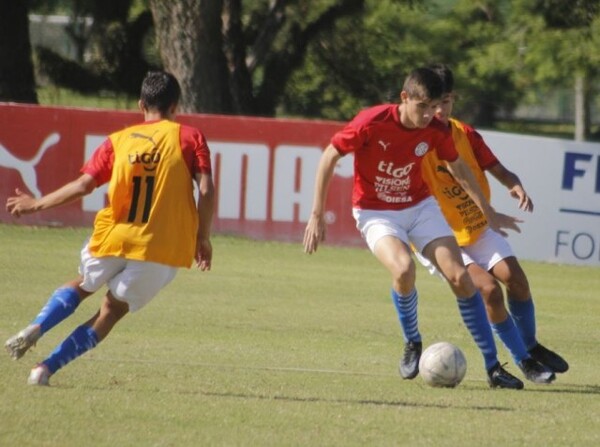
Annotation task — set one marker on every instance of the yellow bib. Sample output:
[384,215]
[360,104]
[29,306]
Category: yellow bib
[465,218]
[151,214]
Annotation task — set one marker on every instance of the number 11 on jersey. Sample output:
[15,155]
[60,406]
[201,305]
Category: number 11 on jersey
[147,184]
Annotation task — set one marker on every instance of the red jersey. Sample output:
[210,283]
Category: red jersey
[388,157]
[151,215]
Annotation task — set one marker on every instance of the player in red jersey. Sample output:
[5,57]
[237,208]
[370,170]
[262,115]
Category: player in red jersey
[393,208]
[151,227]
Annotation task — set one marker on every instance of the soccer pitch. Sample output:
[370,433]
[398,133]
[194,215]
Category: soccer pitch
[277,348]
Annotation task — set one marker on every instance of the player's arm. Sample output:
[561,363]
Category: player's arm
[315,228]
[205,205]
[22,203]
[512,182]
[497,221]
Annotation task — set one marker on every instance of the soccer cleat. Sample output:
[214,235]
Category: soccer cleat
[409,363]
[536,372]
[19,344]
[39,376]
[498,377]
[548,358]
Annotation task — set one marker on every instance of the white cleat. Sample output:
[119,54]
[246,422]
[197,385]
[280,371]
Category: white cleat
[39,376]
[19,344]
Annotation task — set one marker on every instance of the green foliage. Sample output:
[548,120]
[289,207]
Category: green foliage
[277,348]
[505,53]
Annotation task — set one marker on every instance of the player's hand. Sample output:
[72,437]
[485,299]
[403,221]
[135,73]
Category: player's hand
[525,202]
[203,254]
[498,221]
[314,233]
[20,204]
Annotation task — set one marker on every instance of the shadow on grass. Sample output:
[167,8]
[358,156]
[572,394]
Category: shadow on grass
[571,389]
[376,402]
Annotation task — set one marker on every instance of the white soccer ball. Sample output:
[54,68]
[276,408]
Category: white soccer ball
[442,365]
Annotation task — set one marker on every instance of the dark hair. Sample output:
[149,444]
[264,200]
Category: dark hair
[423,83]
[160,90]
[444,72]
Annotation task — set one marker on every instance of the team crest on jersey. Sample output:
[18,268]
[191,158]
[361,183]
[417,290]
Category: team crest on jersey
[421,149]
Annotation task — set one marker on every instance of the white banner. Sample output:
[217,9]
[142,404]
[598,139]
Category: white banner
[563,179]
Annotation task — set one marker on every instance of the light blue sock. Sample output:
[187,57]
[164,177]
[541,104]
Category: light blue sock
[80,341]
[475,318]
[61,304]
[509,334]
[406,307]
[523,313]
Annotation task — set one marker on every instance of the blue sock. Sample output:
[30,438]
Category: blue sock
[475,318]
[523,313]
[406,307]
[61,304]
[509,334]
[80,341]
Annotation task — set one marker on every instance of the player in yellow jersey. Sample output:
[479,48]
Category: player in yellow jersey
[487,255]
[151,227]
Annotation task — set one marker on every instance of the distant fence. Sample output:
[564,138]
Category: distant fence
[264,172]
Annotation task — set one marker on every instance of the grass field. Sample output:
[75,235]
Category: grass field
[277,348]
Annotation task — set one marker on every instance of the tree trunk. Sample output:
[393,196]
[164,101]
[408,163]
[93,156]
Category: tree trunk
[17,81]
[582,109]
[191,47]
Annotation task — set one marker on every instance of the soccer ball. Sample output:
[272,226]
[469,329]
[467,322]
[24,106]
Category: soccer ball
[442,365]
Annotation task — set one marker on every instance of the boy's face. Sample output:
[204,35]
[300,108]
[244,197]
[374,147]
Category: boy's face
[444,108]
[417,113]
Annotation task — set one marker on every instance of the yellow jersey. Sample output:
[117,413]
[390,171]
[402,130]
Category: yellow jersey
[463,215]
[152,214]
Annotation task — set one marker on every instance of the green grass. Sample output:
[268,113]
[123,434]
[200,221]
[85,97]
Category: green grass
[277,348]
[61,97]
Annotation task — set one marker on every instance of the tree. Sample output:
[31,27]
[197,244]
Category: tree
[191,44]
[113,47]
[231,59]
[559,47]
[16,67]
[365,59]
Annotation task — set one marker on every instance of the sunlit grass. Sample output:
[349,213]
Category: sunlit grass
[277,348]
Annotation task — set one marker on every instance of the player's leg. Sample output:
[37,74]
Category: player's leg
[504,326]
[490,252]
[81,340]
[432,236]
[520,303]
[93,274]
[385,234]
[61,304]
[522,309]
[446,256]
[395,256]
[502,323]
[130,290]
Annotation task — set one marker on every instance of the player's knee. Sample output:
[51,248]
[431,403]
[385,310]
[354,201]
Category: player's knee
[518,289]
[114,309]
[403,275]
[459,279]
[492,295]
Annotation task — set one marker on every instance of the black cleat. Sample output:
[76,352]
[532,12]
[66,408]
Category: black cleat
[536,372]
[548,358]
[409,363]
[498,377]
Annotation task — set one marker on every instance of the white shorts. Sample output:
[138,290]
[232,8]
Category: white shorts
[487,251]
[418,225]
[134,282]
